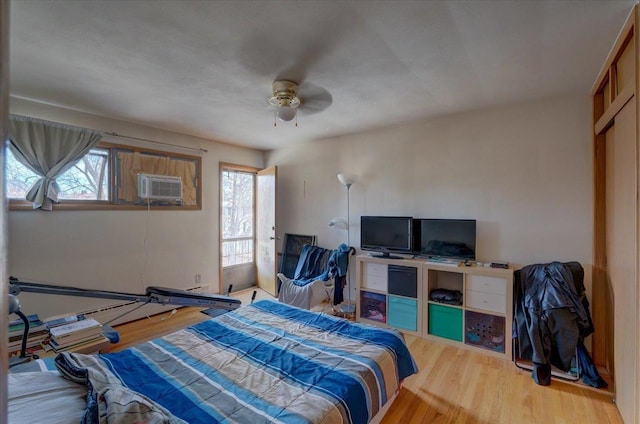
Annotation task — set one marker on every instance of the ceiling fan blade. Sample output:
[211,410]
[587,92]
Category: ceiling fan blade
[291,61]
[290,49]
[261,54]
[313,98]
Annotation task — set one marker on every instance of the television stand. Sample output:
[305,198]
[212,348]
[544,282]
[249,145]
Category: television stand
[443,261]
[397,294]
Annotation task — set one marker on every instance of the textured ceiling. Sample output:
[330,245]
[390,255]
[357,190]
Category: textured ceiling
[205,68]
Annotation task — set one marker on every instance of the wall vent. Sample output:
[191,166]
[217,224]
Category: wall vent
[159,187]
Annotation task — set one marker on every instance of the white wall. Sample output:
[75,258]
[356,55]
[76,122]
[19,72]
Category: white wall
[106,249]
[524,172]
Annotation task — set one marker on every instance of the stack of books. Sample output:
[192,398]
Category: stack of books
[59,320]
[74,334]
[38,333]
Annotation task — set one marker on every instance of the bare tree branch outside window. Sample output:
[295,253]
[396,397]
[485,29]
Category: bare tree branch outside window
[237,217]
[86,180]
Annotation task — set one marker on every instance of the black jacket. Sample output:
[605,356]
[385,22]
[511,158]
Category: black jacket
[551,316]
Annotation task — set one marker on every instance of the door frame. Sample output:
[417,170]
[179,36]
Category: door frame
[242,168]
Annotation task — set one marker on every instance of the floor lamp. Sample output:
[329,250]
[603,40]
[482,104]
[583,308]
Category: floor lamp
[347,180]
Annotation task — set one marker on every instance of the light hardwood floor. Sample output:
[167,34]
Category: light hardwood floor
[454,385]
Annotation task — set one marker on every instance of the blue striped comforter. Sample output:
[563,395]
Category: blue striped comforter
[266,362]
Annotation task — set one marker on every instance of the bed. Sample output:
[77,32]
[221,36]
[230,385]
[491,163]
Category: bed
[265,362]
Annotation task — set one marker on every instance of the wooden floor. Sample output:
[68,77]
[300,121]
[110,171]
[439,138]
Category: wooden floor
[454,385]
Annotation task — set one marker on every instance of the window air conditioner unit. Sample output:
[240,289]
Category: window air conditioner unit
[159,187]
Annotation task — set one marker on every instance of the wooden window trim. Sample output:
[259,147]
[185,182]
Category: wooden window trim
[79,205]
[223,166]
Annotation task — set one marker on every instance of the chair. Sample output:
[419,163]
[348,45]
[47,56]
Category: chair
[550,303]
[314,278]
[291,250]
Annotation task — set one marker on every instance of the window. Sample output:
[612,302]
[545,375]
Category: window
[19,178]
[129,162]
[107,178]
[86,180]
[237,220]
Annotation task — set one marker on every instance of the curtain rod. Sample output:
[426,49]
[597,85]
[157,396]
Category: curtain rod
[115,134]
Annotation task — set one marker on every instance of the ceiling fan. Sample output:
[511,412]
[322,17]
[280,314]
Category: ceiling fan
[290,59]
[285,99]
[288,98]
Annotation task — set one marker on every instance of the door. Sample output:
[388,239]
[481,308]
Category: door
[266,229]
[621,253]
[237,226]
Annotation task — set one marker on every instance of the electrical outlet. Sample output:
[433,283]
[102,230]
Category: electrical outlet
[198,278]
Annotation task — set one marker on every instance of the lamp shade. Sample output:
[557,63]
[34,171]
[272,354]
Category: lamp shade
[347,179]
[14,304]
[339,223]
[286,113]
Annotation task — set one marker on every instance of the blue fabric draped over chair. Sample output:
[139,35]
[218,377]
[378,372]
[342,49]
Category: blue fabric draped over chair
[317,269]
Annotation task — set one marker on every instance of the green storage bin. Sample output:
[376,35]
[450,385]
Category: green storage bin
[403,313]
[445,321]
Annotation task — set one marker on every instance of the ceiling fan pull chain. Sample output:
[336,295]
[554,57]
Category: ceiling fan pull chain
[296,119]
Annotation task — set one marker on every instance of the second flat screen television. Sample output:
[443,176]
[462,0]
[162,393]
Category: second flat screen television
[448,238]
[386,234]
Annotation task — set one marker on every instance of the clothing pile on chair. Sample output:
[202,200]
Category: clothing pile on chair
[319,270]
[552,320]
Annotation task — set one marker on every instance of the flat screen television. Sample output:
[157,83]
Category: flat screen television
[386,234]
[447,238]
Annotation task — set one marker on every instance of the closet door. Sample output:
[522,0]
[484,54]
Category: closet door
[621,253]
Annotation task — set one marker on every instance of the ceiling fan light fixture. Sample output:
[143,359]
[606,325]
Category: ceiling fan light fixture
[284,99]
[285,113]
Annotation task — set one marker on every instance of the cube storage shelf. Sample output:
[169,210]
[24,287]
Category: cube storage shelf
[373,306]
[445,321]
[477,309]
[394,288]
[403,313]
[484,330]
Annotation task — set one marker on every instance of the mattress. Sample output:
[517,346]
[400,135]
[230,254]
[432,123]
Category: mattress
[266,362]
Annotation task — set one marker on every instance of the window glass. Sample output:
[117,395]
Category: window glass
[86,180]
[19,178]
[237,217]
